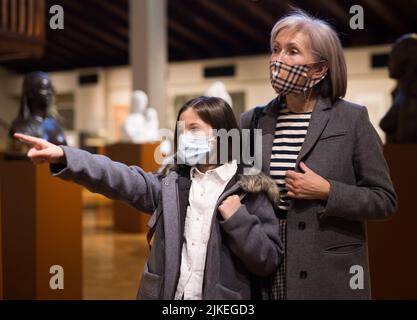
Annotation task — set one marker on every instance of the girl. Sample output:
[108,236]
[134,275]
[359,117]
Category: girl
[215,234]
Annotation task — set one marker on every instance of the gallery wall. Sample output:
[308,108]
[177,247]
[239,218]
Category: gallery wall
[100,105]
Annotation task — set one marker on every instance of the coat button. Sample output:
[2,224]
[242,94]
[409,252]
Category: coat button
[301,225]
[166,183]
[303,274]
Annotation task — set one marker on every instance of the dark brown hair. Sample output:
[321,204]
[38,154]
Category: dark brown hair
[214,111]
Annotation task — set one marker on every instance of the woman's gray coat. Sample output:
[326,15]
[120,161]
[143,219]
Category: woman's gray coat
[326,240]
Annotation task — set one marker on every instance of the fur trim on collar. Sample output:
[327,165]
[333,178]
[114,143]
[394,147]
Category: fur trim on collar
[256,183]
[261,182]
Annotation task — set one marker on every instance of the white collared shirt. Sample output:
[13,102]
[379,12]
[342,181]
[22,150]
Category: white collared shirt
[205,190]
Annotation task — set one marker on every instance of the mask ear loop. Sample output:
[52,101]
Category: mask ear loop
[309,94]
[311,89]
[307,98]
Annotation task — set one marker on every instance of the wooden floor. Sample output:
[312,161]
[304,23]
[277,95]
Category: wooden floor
[113,262]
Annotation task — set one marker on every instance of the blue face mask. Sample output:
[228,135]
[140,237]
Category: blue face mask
[193,149]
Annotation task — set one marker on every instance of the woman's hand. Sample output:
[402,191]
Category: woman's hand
[42,150]
[229,206]
[307,185]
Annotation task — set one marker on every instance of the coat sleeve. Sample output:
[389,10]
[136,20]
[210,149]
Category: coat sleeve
[253,235]
[115,180]
[373,196]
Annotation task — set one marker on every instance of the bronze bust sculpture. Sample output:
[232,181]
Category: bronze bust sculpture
[35,116]
[400,122]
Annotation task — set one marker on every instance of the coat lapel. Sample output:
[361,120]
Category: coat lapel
[231,187]
[212,269]
[184,185]
[171,215]
[267,123]
[319,119]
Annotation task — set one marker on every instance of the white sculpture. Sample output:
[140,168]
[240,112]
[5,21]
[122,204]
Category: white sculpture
[142,124]
[218,89]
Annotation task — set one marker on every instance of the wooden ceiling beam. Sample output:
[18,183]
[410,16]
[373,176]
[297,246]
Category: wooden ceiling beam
[96,32]
[256,9]
[232,20]
[61,52]
[89,42]
[335,9]
[77,49]
[191,36]
[110,10]
[178,45]
[113,8]
[216,32]
[387,15]
[91,29]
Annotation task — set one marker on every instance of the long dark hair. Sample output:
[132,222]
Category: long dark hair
[214,111]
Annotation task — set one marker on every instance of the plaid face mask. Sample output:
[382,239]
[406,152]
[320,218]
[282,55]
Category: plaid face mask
[292,79]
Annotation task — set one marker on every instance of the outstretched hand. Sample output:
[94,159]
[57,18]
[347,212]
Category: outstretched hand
[42,151]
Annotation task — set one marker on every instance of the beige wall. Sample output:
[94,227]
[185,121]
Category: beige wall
[95,104]
[369,87]
[366,86]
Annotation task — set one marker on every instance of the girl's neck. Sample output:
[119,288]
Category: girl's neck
[205,167]
[298,103]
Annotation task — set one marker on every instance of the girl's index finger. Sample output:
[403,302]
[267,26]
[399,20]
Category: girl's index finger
[37,142]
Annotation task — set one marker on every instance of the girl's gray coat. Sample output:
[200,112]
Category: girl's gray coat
[242,251]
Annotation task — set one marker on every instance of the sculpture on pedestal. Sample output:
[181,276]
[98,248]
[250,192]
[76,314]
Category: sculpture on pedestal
[400,122]
[35,116]
[142,124]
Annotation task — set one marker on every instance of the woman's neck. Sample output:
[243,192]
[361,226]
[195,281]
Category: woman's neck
[298,103]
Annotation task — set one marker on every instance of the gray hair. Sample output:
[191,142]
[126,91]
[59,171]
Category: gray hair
[324,44]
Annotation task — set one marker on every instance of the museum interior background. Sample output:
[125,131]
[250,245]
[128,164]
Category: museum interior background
[172,50]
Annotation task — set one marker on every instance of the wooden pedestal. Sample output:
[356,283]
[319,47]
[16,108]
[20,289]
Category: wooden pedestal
[126,218]
[1,252]
[392,243]
[41,226]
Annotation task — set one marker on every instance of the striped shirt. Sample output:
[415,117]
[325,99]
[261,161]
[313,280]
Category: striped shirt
[290,132]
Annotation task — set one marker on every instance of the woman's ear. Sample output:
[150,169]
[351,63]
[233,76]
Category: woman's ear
[320,70]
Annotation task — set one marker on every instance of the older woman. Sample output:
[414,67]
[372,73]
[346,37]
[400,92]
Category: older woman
[327,160]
